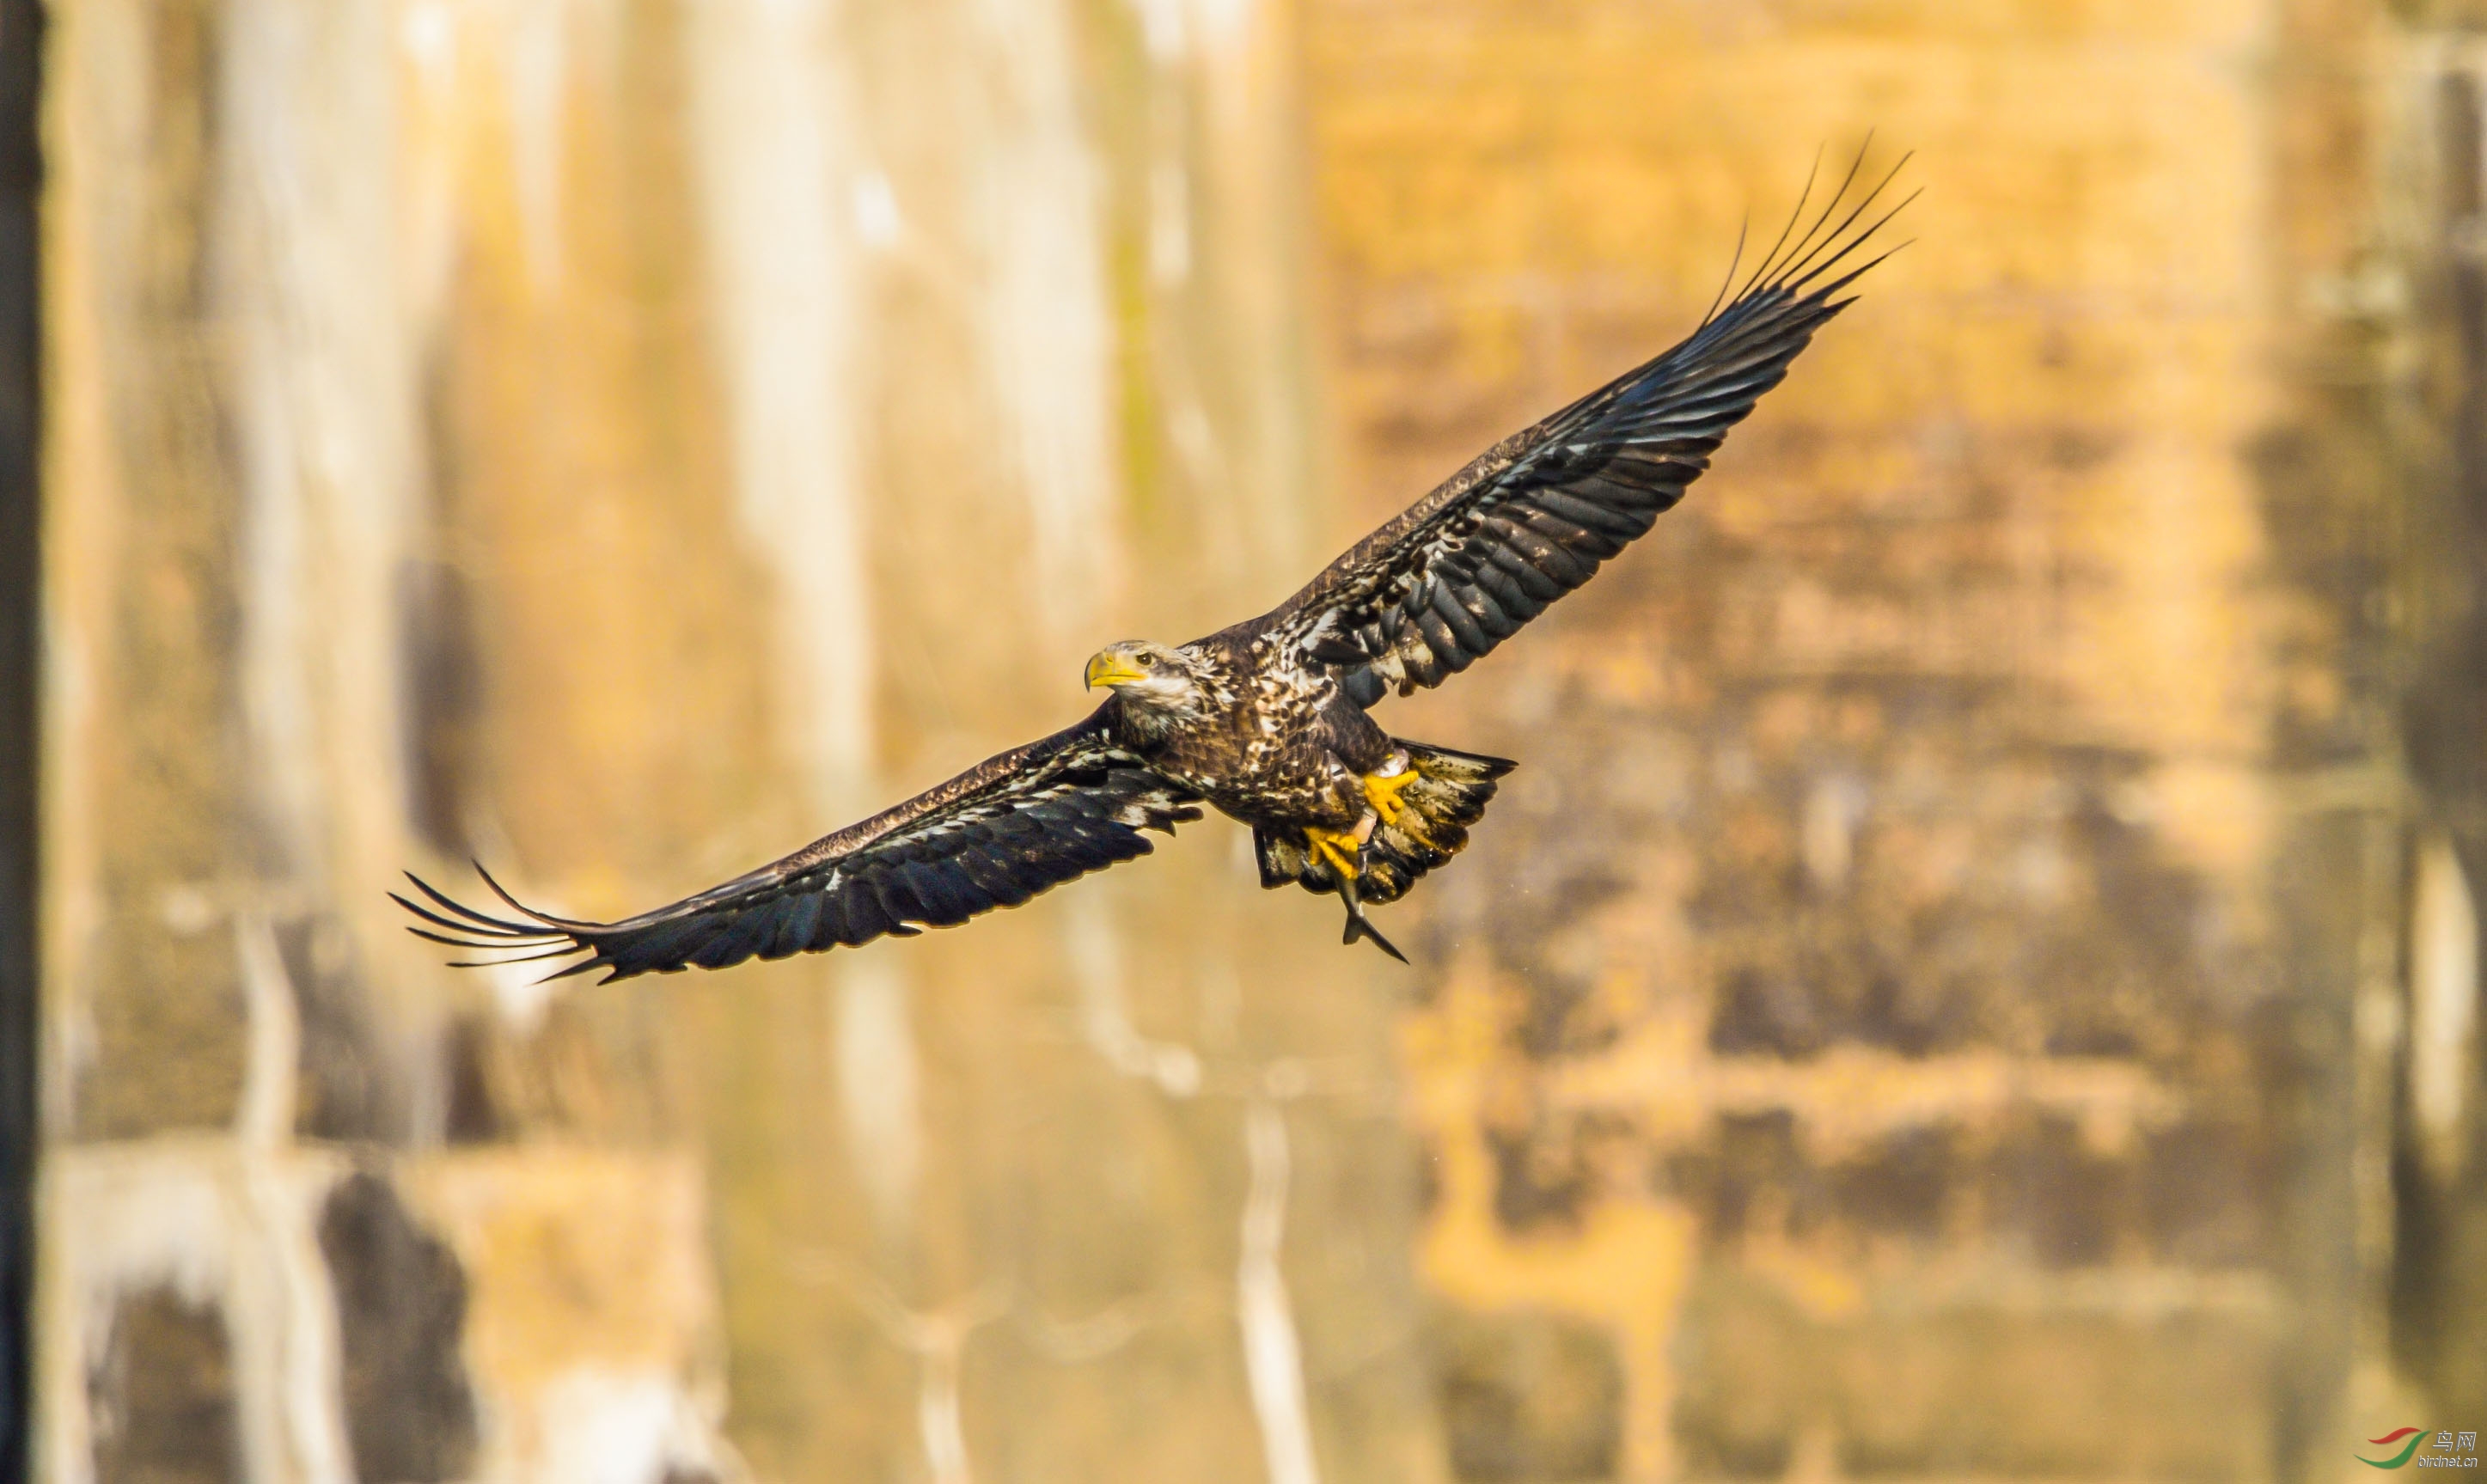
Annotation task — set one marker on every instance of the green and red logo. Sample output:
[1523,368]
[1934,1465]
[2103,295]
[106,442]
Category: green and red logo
[2452,1450]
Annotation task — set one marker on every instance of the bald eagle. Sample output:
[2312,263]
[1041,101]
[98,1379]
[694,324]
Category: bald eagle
[1267,721]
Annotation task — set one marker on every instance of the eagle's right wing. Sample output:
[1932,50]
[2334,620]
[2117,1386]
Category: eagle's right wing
[997,834]
[1531,518]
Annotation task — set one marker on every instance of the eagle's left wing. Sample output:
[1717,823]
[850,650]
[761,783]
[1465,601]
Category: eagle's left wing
[1532,517]
[1013,825]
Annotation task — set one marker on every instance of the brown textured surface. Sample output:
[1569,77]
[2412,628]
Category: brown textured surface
[401,1318]
[1878,973]
[161,1393]
[166,1004]
[1924,1009]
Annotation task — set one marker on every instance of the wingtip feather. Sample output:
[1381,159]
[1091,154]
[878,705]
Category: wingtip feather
[450,904]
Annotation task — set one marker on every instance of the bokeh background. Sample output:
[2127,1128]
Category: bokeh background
[1976,978]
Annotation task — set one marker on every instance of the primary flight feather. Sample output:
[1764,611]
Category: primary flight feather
[1266,720]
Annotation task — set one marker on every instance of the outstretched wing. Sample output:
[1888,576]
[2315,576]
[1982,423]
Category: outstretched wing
[994,836]
[1531,520]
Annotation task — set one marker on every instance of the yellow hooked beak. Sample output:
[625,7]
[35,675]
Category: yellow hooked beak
[1111,669]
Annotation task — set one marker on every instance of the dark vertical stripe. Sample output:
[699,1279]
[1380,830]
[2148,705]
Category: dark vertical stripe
[21,174]
[2460,120]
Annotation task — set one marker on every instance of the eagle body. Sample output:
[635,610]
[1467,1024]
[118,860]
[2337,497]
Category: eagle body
[1268,721]
[1277,745]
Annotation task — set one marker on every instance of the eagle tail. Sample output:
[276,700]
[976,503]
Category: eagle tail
[1447,797]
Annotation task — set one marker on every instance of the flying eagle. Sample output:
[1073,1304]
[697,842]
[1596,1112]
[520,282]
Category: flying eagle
[1267,721]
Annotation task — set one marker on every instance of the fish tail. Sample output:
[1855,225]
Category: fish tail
[1360,926]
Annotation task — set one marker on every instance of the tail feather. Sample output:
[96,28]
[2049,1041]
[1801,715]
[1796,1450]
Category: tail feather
[1282,856]
[1449,797]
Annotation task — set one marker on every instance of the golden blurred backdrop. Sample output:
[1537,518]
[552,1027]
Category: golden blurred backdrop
[1975,979]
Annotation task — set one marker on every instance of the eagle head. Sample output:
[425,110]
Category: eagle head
[1159,685]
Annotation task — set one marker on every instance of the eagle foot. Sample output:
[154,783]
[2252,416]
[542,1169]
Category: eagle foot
[1338,848]
[1382,790]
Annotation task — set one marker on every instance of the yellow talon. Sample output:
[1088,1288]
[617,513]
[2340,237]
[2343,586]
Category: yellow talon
[1335,847]
[1383,794]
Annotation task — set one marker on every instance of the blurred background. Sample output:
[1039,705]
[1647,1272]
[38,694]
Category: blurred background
[1975,979]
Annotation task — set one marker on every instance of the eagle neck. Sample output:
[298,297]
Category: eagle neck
[1144,726]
